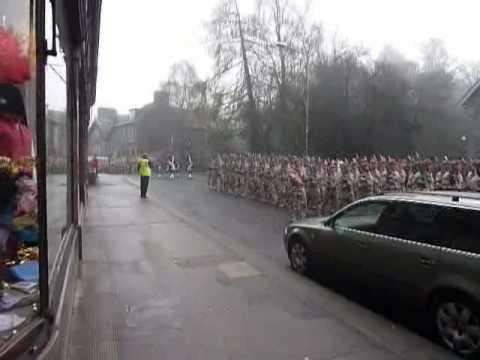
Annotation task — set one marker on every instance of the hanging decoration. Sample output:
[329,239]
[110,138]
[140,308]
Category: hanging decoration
[14,63]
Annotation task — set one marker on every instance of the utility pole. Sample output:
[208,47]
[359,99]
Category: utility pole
[307,106]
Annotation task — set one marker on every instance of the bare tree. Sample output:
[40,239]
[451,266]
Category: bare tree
[230,50]
[469,73]
[435,56]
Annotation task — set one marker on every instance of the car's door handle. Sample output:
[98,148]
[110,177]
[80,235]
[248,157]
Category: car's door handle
[426,261]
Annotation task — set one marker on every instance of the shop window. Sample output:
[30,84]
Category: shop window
[57,145]
[19,267]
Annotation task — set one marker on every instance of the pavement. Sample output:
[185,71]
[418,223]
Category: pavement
[191,274]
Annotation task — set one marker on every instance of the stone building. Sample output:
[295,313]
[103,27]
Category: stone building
[121,140]
[100,131]
[161,128]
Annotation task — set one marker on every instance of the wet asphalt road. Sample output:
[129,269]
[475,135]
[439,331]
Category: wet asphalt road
[259,227]
[175,257]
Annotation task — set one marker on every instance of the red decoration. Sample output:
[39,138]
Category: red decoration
[14,68]
[15,138]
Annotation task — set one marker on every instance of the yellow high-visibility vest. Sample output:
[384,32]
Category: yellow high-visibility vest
[144,168]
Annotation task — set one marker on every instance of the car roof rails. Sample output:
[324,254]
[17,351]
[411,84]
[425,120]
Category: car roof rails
[455,195]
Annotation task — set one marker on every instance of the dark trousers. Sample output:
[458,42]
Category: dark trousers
[144,185]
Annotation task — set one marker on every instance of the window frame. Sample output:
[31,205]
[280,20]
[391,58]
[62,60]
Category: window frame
[450,243]
[438,242]
[332,221]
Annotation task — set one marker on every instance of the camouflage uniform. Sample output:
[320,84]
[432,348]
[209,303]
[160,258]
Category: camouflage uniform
[252,180]
[365,183]
[283,186]
[212,174]
[299,199]
[445,183]
[381,174]
[246,177]
[314,193]
[456,179]
[473,180]
[394,180]
[330,190]
[220,183]
[344,190]
[274,184]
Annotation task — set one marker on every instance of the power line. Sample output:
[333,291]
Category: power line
[57,73]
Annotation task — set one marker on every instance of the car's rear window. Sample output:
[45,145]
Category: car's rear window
[461,229]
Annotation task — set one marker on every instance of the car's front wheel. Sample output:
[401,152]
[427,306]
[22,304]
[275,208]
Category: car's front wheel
[299,256]
[457,321]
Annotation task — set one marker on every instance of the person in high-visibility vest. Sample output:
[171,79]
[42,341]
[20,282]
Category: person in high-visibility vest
[144,172]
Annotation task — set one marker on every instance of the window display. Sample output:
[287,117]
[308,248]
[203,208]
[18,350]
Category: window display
[57,145]
[19,267]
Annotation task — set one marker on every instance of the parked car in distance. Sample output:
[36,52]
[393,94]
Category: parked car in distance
[423,248]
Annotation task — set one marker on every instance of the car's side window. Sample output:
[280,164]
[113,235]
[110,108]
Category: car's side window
[361,217]
[411,221]
[461,230]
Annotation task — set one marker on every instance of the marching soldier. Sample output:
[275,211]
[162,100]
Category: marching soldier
[299,198]
[345,194]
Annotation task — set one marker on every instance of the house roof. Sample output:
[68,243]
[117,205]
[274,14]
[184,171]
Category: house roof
[473,91]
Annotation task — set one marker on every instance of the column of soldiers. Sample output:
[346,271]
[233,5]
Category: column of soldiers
[310,186]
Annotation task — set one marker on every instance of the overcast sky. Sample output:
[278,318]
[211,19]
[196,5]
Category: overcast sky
[141,39]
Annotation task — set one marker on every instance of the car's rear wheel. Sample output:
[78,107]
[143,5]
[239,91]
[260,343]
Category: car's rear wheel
[457,321]
[299,256]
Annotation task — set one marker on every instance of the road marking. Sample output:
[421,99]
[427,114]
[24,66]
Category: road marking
[238,269]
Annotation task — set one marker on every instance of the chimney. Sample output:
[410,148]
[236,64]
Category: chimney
[161,98]
[132,114]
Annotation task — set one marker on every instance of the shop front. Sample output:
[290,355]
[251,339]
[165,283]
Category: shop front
[48,65]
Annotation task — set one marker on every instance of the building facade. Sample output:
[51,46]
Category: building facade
[162,128]
[55,74]
[112,135]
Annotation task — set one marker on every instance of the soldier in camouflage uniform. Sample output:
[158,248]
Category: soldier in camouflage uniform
[283,184]
[220,174]
[421,178]
[299,196]
[345,191]
[274,182]
[430,180]
[472,181]
[365,183]
[265,181]
[329,204]
[245,175]
[456,177]
[313,188]
[444,177]
[381,174]
[323,186]
[252,179]
[209,173]
[394,179]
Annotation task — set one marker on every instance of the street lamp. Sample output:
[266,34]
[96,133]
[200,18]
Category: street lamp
[464,141]
[307,94]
